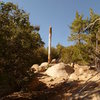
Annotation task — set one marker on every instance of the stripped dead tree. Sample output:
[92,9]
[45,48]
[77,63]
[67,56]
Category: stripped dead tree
[49,45]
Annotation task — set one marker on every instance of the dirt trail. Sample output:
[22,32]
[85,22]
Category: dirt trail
[70,90]
[45,87]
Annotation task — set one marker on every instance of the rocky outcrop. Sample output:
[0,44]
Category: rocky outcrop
[59,70]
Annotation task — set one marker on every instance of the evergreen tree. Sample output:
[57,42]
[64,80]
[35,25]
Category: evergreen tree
[76,28]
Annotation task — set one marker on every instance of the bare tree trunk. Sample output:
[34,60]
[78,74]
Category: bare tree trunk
[49,46]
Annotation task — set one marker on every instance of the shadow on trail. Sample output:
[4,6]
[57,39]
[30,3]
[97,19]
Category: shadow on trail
[71,91]
[38,90]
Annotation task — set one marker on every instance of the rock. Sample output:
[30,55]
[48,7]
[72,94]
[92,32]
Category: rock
[57,71]
[53,61]
[85,68]
[79,71]
[73,76]
[76,66]
[35,68]
[43,66]
[51,65]
[69,69]
[42,69]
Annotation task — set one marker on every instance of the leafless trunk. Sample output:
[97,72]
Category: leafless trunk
[49,45]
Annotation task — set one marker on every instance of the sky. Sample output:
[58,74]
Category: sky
[56,13]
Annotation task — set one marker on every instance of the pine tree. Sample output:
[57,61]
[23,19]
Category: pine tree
[76,29]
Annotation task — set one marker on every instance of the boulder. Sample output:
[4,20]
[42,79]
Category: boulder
[43,66]
[57,71]
[53,61]
[35,68]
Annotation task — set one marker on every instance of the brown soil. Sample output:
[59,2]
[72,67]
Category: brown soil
[47,88]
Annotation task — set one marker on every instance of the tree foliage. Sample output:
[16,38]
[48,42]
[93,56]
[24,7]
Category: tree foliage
[86,39]
[76,27]
[19,40]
